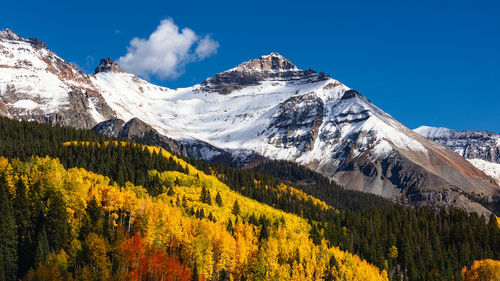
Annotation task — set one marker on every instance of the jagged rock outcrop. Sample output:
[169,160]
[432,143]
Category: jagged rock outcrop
[110,128]
[106,65]
[470,144]
[297,121]
[140,132]
[250,73]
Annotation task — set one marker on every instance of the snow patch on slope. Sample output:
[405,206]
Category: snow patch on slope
[489,168]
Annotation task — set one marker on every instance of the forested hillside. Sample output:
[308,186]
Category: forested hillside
[75,224]
[114,199]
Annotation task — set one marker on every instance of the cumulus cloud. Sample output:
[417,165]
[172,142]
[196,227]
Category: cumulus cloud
[167,51]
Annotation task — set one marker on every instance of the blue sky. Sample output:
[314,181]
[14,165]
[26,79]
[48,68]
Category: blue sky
[424,62]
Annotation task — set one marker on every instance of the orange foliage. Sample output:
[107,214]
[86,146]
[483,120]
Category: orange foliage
[483,270]
[140,263]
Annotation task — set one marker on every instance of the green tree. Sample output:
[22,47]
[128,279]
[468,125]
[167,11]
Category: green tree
[57,221]
[205,196]
[236,208]
[24,227]
[171,192]
[8,234]
[43,248]
[218,199]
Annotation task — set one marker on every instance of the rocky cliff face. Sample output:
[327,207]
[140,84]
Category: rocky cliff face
[263,108]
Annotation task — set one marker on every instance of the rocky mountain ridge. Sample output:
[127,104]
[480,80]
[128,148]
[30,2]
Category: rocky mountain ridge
[470,144]
[481,148]
[38,85]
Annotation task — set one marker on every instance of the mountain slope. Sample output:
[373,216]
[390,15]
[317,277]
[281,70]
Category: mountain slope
[481,148]
[270,108]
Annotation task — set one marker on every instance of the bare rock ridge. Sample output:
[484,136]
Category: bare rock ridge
[273,66]
[140,132]
[7,34]
[107,64]
[470,144]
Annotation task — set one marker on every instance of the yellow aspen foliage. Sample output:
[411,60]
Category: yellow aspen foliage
[287,254]
[483,270]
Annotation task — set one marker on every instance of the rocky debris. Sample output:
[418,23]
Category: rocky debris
[108,65]
[270,67]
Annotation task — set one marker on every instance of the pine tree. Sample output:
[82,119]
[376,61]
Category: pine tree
[229,226]
[57,221]
[208,198]
[236,208]
[205,196]
[218,199]
[315,234]
[8,234]
[171,191]
[24,227]
[43,247]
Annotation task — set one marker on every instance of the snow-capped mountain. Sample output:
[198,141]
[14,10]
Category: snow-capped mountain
[481,148]
[265,107]
[36,84]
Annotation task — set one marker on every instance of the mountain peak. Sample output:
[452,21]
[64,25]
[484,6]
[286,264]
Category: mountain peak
[273,62]
[250,73]
[107,65]
[9,35]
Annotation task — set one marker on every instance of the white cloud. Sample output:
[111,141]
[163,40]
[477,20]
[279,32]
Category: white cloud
[167,51]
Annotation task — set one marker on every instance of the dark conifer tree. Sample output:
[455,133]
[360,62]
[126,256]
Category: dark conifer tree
[8,234]
[218,199]
[43,248]
[236,208]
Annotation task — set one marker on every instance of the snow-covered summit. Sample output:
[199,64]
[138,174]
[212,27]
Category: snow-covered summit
[36,84]
[431,132]
[9,35]
[273,62]
[272,67]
